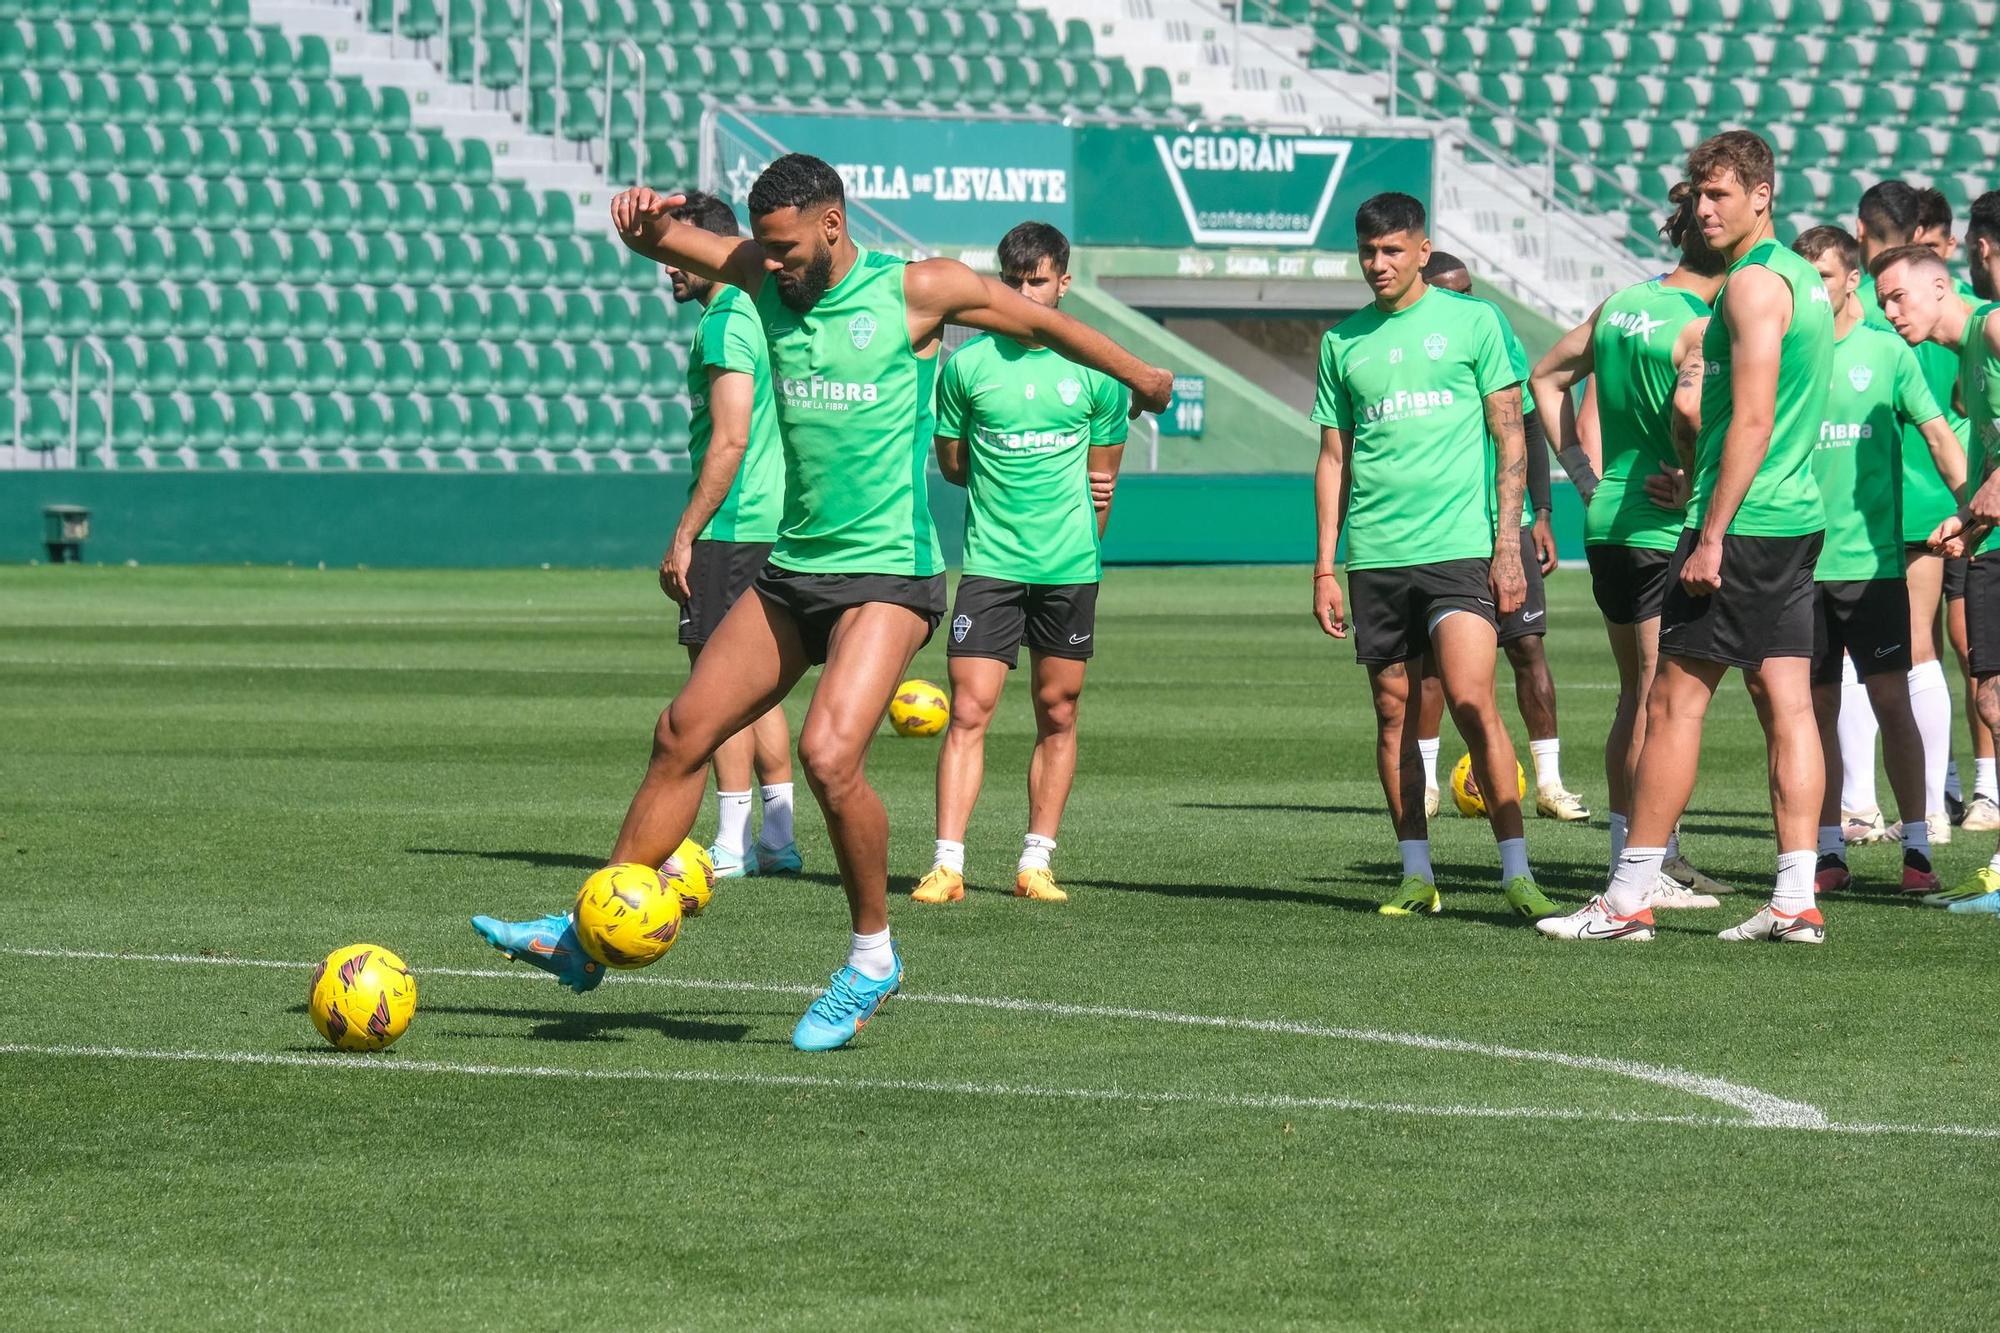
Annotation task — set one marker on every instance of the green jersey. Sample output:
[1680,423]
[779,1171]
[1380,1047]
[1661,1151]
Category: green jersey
[1411,386]
[730,338]
[1927,501]
[1877,389]
[1028,418]
[1979,382]
[854,413]
[1632,349]
[1783,500]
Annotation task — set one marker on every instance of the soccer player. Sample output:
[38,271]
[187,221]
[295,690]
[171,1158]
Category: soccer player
[1863,612]
[1022,430]
[1918,297]
[1739,588]
[725,535]
[1422,463]
[1631,348]
[855,581]
[1520,633]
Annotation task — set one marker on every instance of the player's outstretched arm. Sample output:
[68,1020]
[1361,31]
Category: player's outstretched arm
[642,217]
[731,396]
[1510,476]
[944,291]
[1573,358]
[1336,450]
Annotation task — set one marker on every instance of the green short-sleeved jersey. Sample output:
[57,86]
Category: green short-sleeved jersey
[1411,386]
[1877,389]
[1783,500]
[854,413]
[1028,418]
[1927,501]
[1632,349]
[730,337]
[1979,383]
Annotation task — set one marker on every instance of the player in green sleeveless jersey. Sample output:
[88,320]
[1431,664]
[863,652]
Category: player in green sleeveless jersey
[1917,296]
[725,535]
[1862,615]
[1411,390]
[1522,632]
[855,578]
[1631,348]
[1739,591]
[1023,430]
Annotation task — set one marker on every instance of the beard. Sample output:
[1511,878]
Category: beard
[1983,285]
[803,292]
[691,288]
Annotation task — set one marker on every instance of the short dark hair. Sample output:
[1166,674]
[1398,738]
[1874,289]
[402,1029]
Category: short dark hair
[1023,249]
[1920,255]
[1816,241]
[1738,151]
[1933,211]
[796,180]
[706,211]
[1682,230]
[1984,219]
[1889,209]
[1442,262]
[1388,213]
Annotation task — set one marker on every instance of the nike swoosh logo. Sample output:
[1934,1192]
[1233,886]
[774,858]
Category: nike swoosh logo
[1591,931]
[1884,652]
[1533,615]
[1079,638]
[543,948]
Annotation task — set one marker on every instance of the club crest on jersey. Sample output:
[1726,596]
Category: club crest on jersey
[1859,377]
[1069,389]
[960,627]
[861,329]
[1434,346]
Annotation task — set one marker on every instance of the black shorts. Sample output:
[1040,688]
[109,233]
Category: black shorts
[1629,582]
[718,574]
[1531,617]
[1392,608]
[1866,619]
[815,602]
[991,617]
[1982,614]
[1764,608]
[1954,570]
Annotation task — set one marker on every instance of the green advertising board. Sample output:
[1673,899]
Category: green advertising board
[1187,409]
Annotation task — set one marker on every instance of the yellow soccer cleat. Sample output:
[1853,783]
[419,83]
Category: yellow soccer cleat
[1040,885]
[1415,894]
[942,885]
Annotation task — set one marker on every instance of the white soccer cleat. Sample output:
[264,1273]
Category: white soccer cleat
[1982,816]
[1940,827]
[1430,803]
[1678,869]
[1863,826]
[1554,802]
[1597,923]
[1807,927]
[1672,895]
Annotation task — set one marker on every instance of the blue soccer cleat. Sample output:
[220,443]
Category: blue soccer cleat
[844,1008]
[549,943]
[1985,902]
[730,865]
[779,860]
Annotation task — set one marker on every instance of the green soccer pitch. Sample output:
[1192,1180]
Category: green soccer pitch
[1215,1090]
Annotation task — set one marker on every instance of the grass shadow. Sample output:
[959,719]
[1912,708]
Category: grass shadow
[573,861]
[568,1025]
[1279,807]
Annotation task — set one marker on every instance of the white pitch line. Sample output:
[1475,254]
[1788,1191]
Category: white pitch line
[1763,1107]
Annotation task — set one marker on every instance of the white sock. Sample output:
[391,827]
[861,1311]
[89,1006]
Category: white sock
[1416,855]
[1986,782]
[1951,783]
[950,855]
[1930,700]
[1857,743]
[1621,827]
[1830,841]
[1917,837]
[1514,859]
[1035,853]
[1673,842]
[871,955]
[777,831]
[1794,891]
[1427,750]
[1634,879]
[732,826]
[1548,762]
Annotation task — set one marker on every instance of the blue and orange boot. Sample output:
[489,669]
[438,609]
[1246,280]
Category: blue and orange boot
[549,943]
[845,1007]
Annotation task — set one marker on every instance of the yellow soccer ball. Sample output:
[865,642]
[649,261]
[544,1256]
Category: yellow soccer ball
[1465,793]
[919,709]
[690,872]
[625,917]
[362,997]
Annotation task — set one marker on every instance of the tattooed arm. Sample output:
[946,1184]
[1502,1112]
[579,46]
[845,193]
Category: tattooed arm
[1510,453]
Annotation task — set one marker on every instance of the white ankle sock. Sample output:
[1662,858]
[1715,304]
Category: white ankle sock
[1857,729]
[1548,762]
[1634,879]
[1830,841]
[1930,700]
[1514,859]
[1986,781]
[871,955]
[777,831]
[1427,750]
[1621,827]
[732,826]
[1035,853]
[1416,854]
[1794,891]
[950,855]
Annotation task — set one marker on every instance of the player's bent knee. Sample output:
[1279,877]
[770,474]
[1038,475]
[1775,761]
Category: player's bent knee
[831,763]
